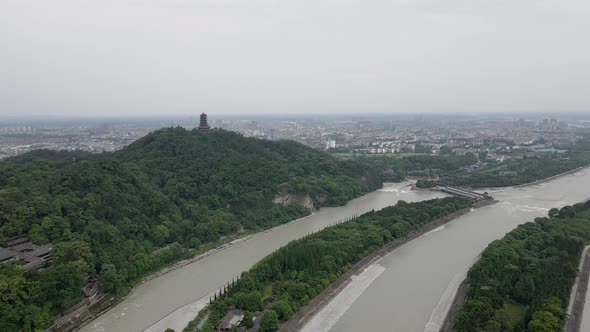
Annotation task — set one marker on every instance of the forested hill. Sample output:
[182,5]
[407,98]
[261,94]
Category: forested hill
[227,165]
[107,215]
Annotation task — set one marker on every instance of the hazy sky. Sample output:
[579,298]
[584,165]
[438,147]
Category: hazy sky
[111,57]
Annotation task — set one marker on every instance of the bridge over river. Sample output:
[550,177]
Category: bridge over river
[464,192]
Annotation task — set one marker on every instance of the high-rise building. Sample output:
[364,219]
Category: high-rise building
[330,145]
[203,125]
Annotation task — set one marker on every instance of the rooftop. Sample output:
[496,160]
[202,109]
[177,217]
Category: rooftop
[23,252]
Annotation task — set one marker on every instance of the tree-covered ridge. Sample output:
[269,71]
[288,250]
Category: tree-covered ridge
[283,282]
[523,281]
[108,215]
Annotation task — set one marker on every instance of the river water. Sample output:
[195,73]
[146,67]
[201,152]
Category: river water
[420,277]
[405,291]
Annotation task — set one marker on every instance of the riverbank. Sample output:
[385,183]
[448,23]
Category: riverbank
[305,315]
[458,301]
[578,294]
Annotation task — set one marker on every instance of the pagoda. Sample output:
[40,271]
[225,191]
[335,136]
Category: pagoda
[203,125]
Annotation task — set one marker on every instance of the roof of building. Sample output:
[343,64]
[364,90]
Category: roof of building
[27,254]
[233,317]
[5,254]
[16,240]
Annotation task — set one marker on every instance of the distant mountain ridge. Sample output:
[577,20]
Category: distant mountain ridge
[107,214]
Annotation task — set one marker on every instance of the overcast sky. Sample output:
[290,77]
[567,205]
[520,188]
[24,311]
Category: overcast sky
[124,57]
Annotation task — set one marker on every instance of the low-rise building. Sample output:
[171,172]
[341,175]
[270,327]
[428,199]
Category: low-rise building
[21,251]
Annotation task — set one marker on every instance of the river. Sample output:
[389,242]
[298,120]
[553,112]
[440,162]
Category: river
[405,291]
[179,291]
[419,279]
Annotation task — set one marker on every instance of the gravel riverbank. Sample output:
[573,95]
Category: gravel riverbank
[458,301]
[578,295]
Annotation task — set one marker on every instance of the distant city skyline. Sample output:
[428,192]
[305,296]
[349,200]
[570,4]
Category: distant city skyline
[164,120]
[230,57]
[353,134]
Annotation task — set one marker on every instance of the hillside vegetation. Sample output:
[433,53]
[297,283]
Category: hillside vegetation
[109,215]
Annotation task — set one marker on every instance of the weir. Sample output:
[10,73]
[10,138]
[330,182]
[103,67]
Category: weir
[465,193]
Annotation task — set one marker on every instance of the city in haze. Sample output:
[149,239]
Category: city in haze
[342,135]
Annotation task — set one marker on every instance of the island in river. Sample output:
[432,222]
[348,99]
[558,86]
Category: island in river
[285,281]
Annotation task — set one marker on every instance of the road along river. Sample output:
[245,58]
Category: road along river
[174,298]
[412,287]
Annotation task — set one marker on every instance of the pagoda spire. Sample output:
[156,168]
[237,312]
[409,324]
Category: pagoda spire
[203,125]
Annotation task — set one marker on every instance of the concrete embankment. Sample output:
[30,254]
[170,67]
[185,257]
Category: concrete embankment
[304,316]
[458,301]
[578,295]
[72,320]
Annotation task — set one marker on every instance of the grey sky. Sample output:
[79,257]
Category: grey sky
[110,57]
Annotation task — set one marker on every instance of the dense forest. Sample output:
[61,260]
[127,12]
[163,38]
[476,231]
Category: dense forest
[119,216]
[280,284]
[523,281]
